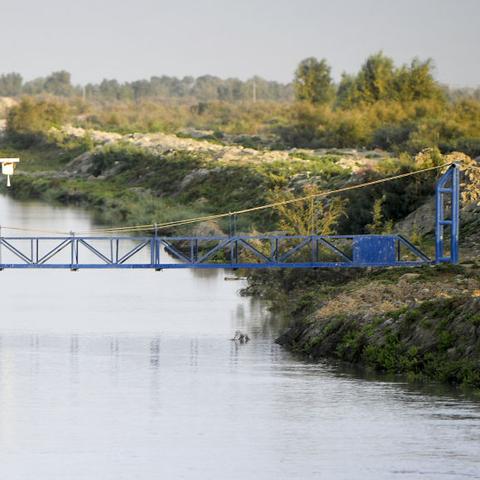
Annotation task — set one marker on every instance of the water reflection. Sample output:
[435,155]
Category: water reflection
[308,414]
[155,353]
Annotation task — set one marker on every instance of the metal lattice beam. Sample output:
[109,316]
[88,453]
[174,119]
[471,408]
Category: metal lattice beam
[240,251]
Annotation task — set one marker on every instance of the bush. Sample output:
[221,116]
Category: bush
[29,122]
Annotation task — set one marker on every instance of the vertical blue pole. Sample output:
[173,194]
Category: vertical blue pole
[73,253]
[157,252]
[455,214]
[152,252]
[439,218]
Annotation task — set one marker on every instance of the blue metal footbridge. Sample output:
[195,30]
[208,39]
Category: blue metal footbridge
[241,251]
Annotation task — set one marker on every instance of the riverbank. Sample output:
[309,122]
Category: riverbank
[423,323]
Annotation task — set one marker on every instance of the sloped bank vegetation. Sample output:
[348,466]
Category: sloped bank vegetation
[438,340]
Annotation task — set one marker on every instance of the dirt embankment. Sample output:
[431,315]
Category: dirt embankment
[161,143]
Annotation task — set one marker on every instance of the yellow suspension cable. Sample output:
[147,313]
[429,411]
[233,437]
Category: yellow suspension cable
[269,205]
[36,230]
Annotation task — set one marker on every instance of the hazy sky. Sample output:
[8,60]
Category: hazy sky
[127,40]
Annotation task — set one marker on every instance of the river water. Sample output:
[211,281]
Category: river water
[112,375]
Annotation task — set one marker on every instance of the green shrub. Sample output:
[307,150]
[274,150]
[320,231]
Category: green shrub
[30,121]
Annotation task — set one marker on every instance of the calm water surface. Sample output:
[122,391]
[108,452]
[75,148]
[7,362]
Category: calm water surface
[110,375]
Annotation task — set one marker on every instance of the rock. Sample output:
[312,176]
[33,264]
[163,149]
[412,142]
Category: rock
[193,176]
[420,221]
[207,229]
[80,165]
[98,137]
[240,337]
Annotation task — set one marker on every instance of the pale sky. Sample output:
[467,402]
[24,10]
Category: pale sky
[128,40]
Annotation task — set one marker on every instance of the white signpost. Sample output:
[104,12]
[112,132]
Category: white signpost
[8,167]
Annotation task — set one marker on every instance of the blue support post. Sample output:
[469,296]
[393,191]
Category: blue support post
[451,177]
[455,214]
[438,225]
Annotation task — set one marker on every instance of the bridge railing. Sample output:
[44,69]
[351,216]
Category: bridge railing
[238,251]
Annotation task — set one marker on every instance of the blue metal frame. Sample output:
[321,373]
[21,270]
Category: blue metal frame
[242,251]
[239,251]
[447,194]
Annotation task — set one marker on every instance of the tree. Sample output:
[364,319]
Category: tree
[313,82]
[183,87]
[416,82]
[10,84]
[375,80]
[379,224]
[347,92]
[109,89]
[313,215]
[379,80]
[206,88]
[34,87]
[231,89]
[141,89]
[59,83]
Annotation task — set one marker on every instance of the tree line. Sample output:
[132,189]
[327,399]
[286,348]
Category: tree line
[203,88]
[378,79]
